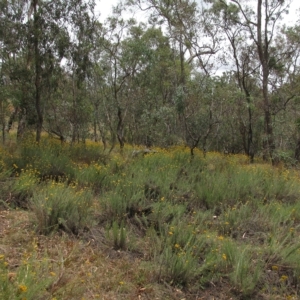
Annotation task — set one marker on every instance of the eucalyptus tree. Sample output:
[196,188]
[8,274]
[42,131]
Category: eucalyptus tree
[36,50]
[241,56]
[284,82]
[188,28]
[117,74]
[135,74]
[202,112]
[46,30]
[153,111]
[194,43]
[284,68]
[260,25]
[96,84]
[127,61]
[83,36]
[16,74]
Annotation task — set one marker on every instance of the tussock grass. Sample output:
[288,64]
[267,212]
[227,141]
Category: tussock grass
[57,206]
[158,225]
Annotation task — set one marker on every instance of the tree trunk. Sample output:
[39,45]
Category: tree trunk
[3,122]
[297,151]
[95,130]
[21,124]
[120,129]
[3,131]
[269,145]
[103,138]
[263,52]
[38,106]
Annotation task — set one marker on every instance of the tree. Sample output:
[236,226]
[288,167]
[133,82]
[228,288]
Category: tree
[261,26]
[82,44]
[193,40]
[37,46]
[117,73]
[153,113]
[242,55]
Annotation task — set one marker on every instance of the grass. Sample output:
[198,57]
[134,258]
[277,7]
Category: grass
[95,226]
[57,206]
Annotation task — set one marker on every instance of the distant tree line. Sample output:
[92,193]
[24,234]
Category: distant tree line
[155,82]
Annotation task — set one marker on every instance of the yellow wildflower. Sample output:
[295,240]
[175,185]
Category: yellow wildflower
[22,288]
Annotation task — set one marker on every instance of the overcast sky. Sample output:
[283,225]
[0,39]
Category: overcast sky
[105,8]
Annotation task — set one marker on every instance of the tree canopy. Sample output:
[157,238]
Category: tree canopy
[214,74]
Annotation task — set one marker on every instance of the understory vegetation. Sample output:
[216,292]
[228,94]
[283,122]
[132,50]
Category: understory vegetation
[78,222]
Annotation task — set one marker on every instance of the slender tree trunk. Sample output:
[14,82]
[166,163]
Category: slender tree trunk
[3,131]
[3,122]
[297,151]
[269,145]
[12,118]
[95,130]
[74,111]
[263,52]
[250,146]
[38,106]
[21,124]
[120,129]
[103,138]
[102,135]
[247,132]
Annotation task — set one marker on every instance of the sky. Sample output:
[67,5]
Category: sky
[105,8]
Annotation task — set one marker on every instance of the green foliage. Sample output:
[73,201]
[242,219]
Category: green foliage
[246,270]
[178,268]
[180,100]
[57,206]
[30,281]
[201,221]
[94,176]
[119,237]
[48,159]
[87,153]
[24,187]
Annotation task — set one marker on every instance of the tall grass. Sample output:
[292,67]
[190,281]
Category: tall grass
[57,206]
[201,222]
[32,280]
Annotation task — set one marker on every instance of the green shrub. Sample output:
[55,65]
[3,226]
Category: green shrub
[87,153]
[49,159]
[247,272]
[57,206]
[118,234]
[31,280]
[94,176]
[179,266]
[23,188]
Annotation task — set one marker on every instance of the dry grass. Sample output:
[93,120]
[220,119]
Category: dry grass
[85,268]
[211,228]
[89,268]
